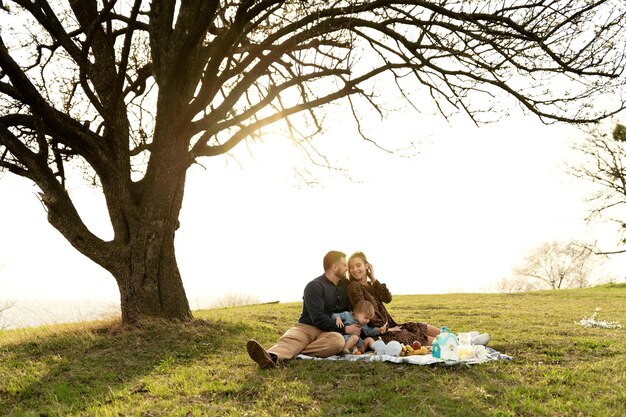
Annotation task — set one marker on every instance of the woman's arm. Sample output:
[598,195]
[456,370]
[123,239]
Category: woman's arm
[381,292]
[358,292]
[377,288]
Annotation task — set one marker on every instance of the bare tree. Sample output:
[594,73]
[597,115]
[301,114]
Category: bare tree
[133,93]
[560,265]
[517,283]
[234,300]
[4,305]
[604,165]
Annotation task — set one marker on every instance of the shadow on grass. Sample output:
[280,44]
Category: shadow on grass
[70,370]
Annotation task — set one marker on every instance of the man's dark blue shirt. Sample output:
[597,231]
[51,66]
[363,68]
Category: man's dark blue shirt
[321,299]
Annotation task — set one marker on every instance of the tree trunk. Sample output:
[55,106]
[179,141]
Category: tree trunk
[147,275]
[149,281]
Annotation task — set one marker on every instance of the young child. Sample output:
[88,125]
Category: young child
[363,312]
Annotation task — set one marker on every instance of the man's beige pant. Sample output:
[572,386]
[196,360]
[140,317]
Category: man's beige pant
[308,340]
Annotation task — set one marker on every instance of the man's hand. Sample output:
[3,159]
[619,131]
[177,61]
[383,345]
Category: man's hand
[339,322]
[353,329]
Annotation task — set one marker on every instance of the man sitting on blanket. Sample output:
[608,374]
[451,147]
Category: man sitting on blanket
[315,333]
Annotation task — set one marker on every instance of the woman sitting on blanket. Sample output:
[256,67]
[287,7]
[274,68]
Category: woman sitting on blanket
[364,286]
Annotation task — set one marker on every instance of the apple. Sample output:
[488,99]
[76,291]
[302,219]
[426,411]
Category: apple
[416,345]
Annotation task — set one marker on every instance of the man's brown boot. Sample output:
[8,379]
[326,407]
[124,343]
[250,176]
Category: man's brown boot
[260,355]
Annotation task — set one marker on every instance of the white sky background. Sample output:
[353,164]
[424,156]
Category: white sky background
[454,218]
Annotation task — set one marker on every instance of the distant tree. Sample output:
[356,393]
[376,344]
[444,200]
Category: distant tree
[132,93]
[605,167]
[235,300]
[516,284]
[4,306]
[558,265]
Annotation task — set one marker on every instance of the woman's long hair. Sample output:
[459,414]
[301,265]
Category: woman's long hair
[359,255]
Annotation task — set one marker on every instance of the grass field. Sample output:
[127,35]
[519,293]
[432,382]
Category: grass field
[201,368]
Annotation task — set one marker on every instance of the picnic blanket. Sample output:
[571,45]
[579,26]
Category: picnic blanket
[492,355]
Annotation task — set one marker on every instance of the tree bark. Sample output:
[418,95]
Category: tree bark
[149,281]
[147,275]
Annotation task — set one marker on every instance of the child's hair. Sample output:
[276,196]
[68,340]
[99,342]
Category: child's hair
[364,307]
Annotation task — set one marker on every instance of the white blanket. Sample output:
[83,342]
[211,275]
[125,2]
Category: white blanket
[492,355]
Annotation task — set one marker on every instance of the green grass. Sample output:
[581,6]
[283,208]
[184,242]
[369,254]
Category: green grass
[201,368]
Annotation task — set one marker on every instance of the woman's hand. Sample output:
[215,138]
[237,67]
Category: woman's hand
[370,273]
[339,322]
[395,329]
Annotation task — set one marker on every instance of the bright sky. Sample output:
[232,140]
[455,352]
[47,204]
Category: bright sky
[454,218]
